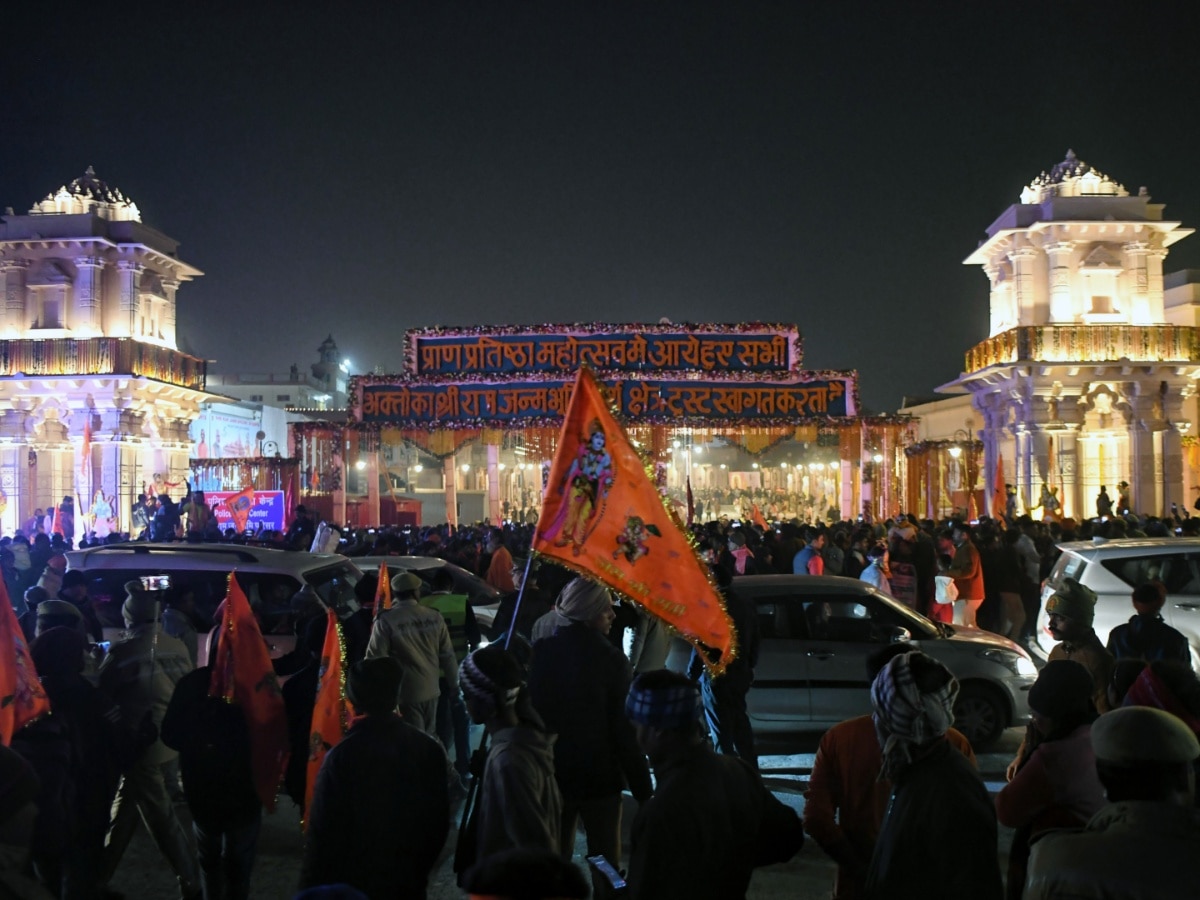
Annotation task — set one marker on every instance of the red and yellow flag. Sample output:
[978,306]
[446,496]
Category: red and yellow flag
[330,715]
[383,591]
[21,696]
[602,516]
[240,505]
[242,674]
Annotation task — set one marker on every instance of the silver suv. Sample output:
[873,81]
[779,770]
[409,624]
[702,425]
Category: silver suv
[1114,568]
[817,632]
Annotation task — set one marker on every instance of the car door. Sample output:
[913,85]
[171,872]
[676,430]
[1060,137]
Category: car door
[1182,609]
[779,700]
[844,629]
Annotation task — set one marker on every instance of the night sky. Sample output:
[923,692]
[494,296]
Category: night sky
[358,169]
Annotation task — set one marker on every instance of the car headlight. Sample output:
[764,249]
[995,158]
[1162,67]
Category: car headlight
[1017,663]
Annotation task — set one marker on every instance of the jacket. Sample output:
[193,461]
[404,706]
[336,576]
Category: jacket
[1056,787]
[140,673]
[710,822]
[519,802]
[939,838]
[846,800]
[1133,850]
[1148,637]
[967,571]
[419,640]
[380,811]
[1090,653]
[578,682]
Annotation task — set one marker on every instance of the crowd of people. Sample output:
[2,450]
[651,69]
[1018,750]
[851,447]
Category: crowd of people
[1103,780]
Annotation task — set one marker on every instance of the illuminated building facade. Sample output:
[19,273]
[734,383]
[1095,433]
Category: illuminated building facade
[1084,380]
[95,396]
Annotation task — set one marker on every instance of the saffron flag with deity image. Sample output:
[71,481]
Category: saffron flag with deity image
[603,517]
[243,674]
[330,717]
[22,698]
[383,591]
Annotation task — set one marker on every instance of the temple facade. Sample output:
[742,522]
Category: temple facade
[1084,379]
[95,397]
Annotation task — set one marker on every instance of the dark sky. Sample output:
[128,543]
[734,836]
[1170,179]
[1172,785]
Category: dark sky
[357,169]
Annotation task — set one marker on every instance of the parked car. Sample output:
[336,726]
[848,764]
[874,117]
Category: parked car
[270,579]
[818,631]
[1114,568]
[485,599]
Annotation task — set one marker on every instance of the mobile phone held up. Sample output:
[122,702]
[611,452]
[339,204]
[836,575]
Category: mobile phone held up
[156,582]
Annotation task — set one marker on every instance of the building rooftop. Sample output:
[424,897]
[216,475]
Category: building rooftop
[1072,178]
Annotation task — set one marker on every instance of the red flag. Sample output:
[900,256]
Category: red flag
[21,696]
[242,674]
[602,516]
[240,505]
[757,518]
[330,715]
[383,591]
[691,502]
[999,494]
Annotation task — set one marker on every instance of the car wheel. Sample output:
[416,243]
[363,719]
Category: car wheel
[980,715]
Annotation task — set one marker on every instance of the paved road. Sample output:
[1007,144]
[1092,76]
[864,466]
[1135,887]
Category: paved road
[145,876]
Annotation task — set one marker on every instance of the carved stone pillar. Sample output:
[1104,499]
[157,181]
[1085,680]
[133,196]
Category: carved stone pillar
[1058,255]
[13,311]
[127,302]
[86,312]
[1138,282]
[167,321]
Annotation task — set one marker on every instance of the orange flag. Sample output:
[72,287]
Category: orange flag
[242,674]
[330,715]
[602,516]
[383,591]
[21,696]
[240,505]
[757,518]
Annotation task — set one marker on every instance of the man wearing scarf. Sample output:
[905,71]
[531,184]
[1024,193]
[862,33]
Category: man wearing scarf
[940,811]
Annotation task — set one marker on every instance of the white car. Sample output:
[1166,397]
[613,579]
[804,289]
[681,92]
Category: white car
[1114,568]
[485,599]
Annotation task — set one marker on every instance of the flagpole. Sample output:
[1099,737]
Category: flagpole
[521,593]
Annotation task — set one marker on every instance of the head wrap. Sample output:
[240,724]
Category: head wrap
[139,608]
[1063,686]
[662,702]
[59,609]
[1136,735]
[583,600]
[373,685]
[1148,689]
[907,716]
[491,677]
[736,537]
[1073,601]
[58,651]
[1149,597]
[405,583]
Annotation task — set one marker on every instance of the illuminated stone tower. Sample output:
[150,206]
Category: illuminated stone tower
[1081,381]
[94,394]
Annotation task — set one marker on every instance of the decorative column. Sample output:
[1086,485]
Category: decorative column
[86,314]
[1058,257]
[372,473]
[1024,298]
[129,273]
[493,483]
[1072,499]
[1154,283]
[1138,283]
[14,297]
[450,479]
[167,321]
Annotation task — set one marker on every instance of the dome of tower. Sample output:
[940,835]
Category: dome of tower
[88,194]
[1071,178]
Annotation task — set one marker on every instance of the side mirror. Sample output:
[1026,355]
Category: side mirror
[896,634]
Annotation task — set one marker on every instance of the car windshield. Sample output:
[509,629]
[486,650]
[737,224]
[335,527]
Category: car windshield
[334,584]
[917,624]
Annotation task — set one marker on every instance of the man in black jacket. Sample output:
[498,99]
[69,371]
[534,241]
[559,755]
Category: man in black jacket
[578,682]
[381,806]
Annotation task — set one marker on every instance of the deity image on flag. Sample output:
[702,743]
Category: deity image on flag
[632,543]
[586,486]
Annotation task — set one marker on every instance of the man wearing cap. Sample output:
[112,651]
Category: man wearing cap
[711,820]
[139,674]
[1072,609]
[74,591]
[381,806]
[1143,843]
[1146,636]
[578,682]
[418,639]
[939,837]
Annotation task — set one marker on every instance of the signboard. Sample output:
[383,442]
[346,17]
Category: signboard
[718,349]
[223,435]
[267,513]
[708,402]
